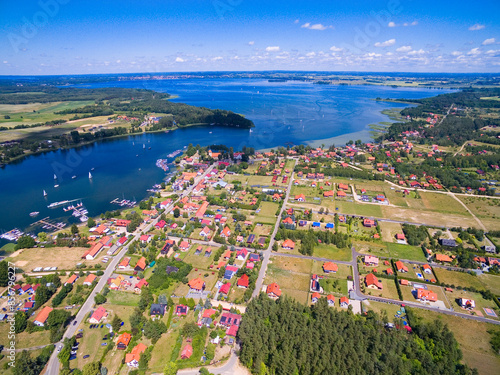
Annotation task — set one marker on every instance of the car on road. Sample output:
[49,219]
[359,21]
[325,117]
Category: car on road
[86,356]
[59,348]
[74,323]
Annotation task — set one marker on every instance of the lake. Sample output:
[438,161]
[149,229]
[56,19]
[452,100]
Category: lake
[284,113]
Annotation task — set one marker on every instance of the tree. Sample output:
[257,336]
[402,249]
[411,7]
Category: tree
[20,321]
[90,222]
[57,318]
[177,213]
[4,273]
[92,368]
[170,369]
[99,299]
[25,242]
[116,323]
[74,229]
[42,236]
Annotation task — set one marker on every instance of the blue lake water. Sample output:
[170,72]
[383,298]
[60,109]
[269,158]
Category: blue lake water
[283,113]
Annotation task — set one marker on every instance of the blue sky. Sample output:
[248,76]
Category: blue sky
[80,37]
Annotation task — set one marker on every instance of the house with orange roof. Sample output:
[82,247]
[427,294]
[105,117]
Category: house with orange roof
[344,302]
[425,295]
[141,264]
[443,258]
[132,358]
[42,316]
[141,283]
[123,341]
[341,194]
[330,299]
[184,246]
[315,297]
[273,291]
[343,186]
[71,279]
[92,253]
[427,268]
[221,264]
[288,244]
[300,198]
[124,263]
[197,284]
[372,282]
[243,281]
[328,193]
[288,220]
[370,260]
[330,267]
[89,279]
[401,267]
[404,282]
[368,223]
[226,232]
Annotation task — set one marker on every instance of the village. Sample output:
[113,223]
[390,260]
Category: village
[167,282]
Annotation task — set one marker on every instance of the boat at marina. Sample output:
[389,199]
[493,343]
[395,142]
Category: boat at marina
[162,163]
[174,154]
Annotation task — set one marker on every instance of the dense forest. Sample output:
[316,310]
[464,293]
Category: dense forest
[285,337]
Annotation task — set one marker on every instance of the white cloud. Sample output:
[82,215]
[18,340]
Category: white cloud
[296,21]
[419,52]
[387,43]
[311,54]
[273,49]
[489,41]
[179,59]
[456,53]
[5,62]
[336,49]
[403,49]
[476,27]
[316,26]
[474,51]
[118,61]
[493,51]
[217,58]
[251,43]
[406,24]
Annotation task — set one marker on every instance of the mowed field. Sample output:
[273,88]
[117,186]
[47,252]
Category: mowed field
[65,258]
[486,209]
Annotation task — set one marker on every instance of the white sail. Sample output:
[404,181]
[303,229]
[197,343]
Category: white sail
[44,193]
[90,175]
[55,177]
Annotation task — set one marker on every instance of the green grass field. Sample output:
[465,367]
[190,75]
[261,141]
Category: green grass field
[123,298]
[400,251]
[458,278]
[267,212]
[332,252]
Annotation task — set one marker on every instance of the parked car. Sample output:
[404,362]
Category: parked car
[86,356]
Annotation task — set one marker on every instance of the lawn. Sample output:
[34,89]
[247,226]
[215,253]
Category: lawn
[388,289]
[330,251]
[458,278]
[389,230]
[293,264]
[481,303]
[90,344]
[442,203]
[287,279]
[473,338]
[352,208]
[400,251]
[200,261]
[491,282]
[390,308]
[162,352]
[372,248]
[427,217]
[24,339]
[123,298]
[267,213]
[342,273]
[487,209]
[123,312]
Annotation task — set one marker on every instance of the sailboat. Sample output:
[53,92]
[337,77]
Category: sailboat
[44,193]
[90,175]
[55,177]
[143,145]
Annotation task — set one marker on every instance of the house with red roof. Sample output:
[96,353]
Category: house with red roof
[187,352]
[184,246]
[241,254]
[71,279]
[368,223]
[315,297]
[372,282]
[141,264]
[99,314]
[341,194]
[300,198]
[139,285]
[226,232]
[288,244]
[425,295]
[243,281]
[224,289]
[288,220]
[328,193]
[370,260]
[427,268]
[330,299]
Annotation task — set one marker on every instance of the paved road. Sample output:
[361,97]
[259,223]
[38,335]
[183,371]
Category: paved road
[227,368]
[267,252]
[53,364]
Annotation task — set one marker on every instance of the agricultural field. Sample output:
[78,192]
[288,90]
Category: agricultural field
[426,217]
[486,209]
